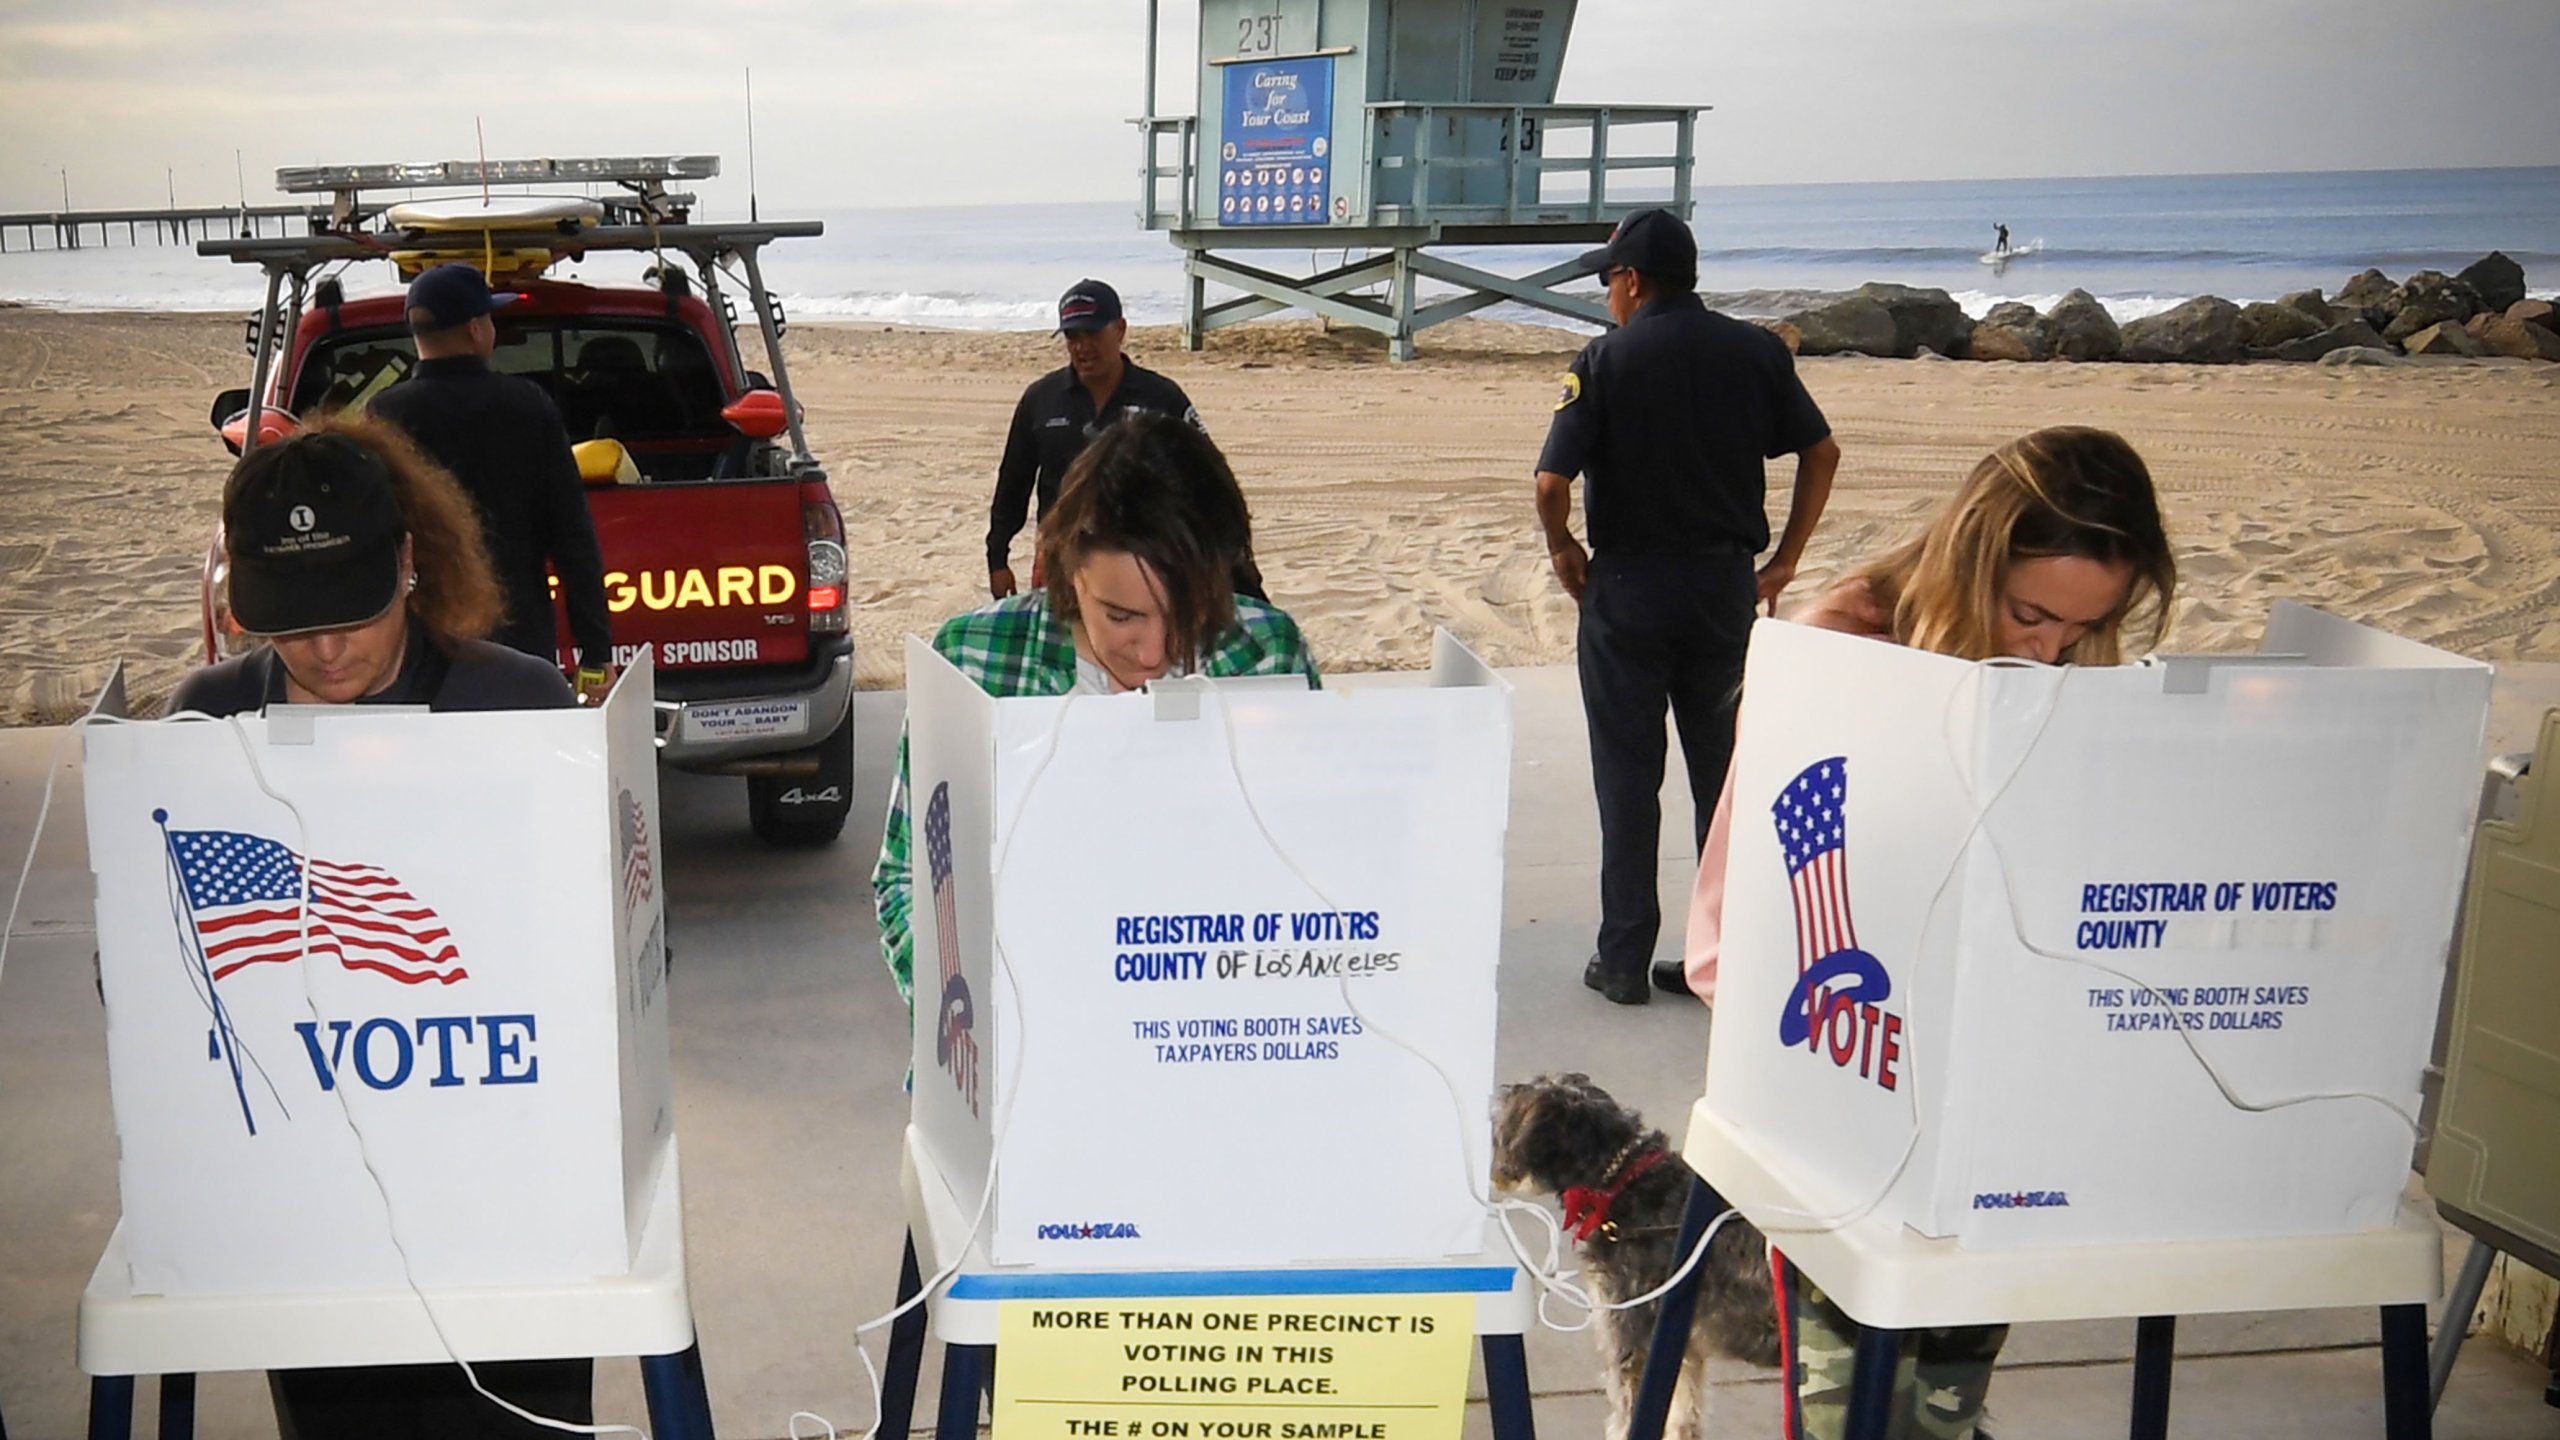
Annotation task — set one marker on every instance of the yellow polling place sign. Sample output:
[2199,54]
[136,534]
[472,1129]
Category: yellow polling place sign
[1246,1367]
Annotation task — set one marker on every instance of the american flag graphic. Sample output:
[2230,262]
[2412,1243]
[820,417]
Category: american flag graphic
[1812,829]
[946,903]
[955,1043]
[638,884]
[245,894]
[1811,814]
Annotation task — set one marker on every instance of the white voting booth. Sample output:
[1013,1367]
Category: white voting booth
[478,1011]
[1992,931]
[1172,948]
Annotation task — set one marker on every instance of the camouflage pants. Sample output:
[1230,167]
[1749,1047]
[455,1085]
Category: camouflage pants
[1939,1380]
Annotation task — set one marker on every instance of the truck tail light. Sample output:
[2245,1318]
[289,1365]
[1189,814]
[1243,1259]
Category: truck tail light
[823,524]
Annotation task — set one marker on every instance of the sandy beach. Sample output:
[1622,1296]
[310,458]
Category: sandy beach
[1387,499]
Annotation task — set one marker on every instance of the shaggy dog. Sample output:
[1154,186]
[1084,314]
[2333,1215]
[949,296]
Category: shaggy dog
[1623,1188]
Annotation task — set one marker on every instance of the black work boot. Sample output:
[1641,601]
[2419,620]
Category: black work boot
[1621,989]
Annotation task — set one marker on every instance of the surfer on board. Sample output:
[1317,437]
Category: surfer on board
[2000,246]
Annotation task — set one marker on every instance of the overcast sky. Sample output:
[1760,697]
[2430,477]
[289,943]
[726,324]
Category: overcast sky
[944,102]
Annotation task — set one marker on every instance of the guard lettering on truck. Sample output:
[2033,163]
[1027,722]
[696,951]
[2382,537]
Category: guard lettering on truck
[691,652]
[707,589]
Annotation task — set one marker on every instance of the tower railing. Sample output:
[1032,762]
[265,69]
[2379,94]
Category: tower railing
[1404,165]
[1408,162]
[1153,213]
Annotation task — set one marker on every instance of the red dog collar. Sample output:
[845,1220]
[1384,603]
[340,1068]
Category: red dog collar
[1586,1210]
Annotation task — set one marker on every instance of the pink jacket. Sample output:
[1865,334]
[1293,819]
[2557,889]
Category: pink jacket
[1846,607]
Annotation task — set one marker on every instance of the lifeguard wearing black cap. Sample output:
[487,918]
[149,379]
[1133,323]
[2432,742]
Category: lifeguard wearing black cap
[1650,242]
[1670,418]
[447,296]
[502,438]
[1061,412]
[1088,305]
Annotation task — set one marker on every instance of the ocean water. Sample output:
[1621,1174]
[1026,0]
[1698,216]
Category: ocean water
[2139,243]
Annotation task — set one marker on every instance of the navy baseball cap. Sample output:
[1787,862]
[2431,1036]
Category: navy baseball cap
[450,295]
[1087,305]
[1653,242]
[312,527]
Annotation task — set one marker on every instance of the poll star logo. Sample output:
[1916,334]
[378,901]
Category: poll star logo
[2022,1200]
[243,900]
[1094,1230]
[1836,1006]
[955,1040]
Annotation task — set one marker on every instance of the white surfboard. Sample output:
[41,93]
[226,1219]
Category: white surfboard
[498,212]
[2014,252]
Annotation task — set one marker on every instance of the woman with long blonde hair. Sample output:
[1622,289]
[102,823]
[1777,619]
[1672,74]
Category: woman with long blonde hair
[2045,528]
[2051,551]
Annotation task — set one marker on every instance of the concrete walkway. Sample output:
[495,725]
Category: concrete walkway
[789,1044]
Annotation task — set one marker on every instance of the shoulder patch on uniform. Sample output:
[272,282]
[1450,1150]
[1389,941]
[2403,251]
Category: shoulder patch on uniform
[1570,391]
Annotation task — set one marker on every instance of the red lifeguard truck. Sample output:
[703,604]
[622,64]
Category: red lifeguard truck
[723,547]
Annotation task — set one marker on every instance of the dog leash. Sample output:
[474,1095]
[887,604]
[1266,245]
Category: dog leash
[1586,1210]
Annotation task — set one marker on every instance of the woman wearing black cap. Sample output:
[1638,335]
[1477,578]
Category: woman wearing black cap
[361,566]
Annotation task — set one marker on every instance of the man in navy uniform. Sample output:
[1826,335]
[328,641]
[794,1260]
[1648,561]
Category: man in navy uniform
[502,438]
[1063,410]
[1671,417]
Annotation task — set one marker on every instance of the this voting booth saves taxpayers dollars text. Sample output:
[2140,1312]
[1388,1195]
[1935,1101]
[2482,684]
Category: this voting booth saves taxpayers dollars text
[1181,1040]
[1992,931]
[478,1010]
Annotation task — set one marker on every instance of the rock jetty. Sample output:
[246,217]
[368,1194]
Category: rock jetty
[2482,311]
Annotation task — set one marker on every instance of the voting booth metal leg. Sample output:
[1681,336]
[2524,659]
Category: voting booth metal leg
[1672,1322]
[2155,1339]
[1871,1383]
[111,1407]
[906,1350]
[963,1370]
[2455,1320]
[177,1406]
[2406,1414]
[679,1402]
[1506,1388]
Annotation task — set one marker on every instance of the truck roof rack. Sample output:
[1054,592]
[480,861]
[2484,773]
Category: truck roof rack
[704,244]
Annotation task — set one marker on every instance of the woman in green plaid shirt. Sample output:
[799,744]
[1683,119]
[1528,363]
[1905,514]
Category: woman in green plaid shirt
[1139,553]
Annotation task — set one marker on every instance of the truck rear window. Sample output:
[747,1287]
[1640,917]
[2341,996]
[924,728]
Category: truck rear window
[651,386]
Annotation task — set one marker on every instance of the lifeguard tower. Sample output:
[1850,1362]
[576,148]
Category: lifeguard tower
[1382,129]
